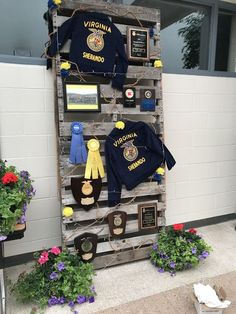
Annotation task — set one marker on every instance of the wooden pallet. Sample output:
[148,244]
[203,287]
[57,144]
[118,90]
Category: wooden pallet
[135,244]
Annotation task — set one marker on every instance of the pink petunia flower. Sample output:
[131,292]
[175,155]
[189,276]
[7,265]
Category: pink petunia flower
[43,258]
[55,250]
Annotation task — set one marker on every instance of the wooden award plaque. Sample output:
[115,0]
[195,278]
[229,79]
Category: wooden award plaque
[147,216]
[138,44]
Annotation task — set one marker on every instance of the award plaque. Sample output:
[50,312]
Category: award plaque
[86,192]
[117,222]
[86,246]
[138,43]
[147,99]
[129,97]
[147,216]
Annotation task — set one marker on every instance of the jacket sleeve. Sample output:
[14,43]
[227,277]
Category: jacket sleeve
[59,38]
[122,61]
[113,179]
[156,145]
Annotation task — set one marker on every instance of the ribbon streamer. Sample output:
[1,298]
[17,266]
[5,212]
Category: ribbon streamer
[94,166]
[78,152]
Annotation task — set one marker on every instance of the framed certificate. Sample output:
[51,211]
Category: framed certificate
[138,44]
[80,97]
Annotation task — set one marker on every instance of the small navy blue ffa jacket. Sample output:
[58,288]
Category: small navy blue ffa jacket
[95,42]
[132,155]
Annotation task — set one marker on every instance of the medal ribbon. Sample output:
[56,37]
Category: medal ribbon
[78,152]
[94,166]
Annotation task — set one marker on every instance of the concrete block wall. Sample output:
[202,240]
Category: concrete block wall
[200,131]
[27,140]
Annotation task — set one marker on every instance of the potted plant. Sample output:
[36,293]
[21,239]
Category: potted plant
[177,249]
[16,192]
[58,277]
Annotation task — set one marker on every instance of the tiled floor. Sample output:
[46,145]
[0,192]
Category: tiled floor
[130,282]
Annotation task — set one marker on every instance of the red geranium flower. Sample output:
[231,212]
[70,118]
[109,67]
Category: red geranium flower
[192,230]
[178,227]
[9,177]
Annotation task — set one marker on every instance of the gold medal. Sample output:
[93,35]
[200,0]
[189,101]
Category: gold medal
[87,188]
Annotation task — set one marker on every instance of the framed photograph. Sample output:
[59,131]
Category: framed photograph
[147,216]
[138,44]
[80,97]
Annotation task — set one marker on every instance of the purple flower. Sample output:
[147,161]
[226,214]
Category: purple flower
[53,275]
[71,303]
[194,250]
[200,257]
[154,247]
[81,299]
[22,219]
[92,288]
[172,264]
[91,299]
[61,300]
[76,312]
[24,174]
[52,301]
[161,270]
[3,237]
[24,208]
[60,266]
[205,254]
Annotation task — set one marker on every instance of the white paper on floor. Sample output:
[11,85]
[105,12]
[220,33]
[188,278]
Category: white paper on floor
[207,295]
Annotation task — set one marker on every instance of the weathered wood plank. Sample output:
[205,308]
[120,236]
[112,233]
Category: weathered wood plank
[121,27]
[121,257]
[103,229]
[155,51]
[98,213]
[135,72]
[142,189]
[132,12]
[106,91]
[92,129]
[117,245]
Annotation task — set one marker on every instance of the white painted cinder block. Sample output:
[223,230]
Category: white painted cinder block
[199,130]
[28,141]
[199,117]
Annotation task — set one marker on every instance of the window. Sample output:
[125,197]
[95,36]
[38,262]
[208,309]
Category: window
[23,31]
[197,36]
[184,36]
[226,42]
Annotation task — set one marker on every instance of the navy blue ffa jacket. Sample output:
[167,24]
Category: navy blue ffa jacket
[95,42]
[132,155]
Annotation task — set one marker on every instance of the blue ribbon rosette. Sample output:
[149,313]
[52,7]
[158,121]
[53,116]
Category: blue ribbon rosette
[78,152]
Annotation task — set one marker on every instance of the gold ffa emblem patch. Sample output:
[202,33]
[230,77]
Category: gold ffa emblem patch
[95,40]
[130,152]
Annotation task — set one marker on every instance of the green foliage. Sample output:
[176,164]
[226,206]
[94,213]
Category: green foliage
[14,197]
[178,250]
[191,34]
[75,279]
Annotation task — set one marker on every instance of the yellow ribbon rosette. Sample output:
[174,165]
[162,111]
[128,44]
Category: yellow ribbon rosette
[94,164]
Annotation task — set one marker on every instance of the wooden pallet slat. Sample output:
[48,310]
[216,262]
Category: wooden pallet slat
[131,12]
[142,189]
